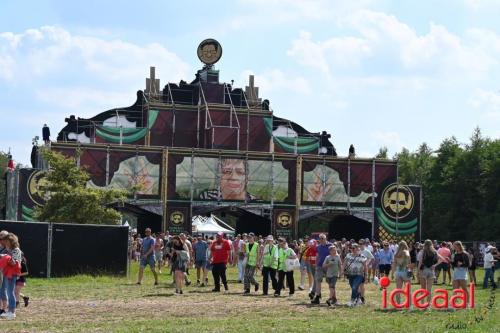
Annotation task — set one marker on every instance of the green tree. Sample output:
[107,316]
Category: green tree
[382,153]
[70,200]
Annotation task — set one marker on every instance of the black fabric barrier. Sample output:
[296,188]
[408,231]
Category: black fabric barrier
[33,240]
[76,248]
[90,249]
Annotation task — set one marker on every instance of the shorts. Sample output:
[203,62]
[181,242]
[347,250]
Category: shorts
[442,266]
[385,269]
[159,255]
[319,274]
[200,263]
[403,275]
[310,268]
[149,260]
[460,273]
[303,265]
[332,281]
[374,264]
[427,273]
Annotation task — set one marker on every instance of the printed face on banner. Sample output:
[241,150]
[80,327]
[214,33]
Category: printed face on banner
[138,172]
[323,184]
[231,179]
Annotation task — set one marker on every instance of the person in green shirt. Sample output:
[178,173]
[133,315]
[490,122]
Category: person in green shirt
[252,252]
[269,264]
[284,253]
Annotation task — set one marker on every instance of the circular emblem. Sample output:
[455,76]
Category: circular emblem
[177,218]
[209,51]
[397,201]
[35,187]
[284,219]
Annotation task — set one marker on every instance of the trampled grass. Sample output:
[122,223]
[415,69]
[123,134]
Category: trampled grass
[116,304]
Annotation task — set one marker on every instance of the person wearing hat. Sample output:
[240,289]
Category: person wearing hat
[355,268]
[489,267]
[252,252]
[269,264]
[220,253]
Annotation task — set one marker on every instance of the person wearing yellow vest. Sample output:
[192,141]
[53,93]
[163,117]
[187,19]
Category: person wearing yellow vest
[269,264]
[252,252]
[284,253]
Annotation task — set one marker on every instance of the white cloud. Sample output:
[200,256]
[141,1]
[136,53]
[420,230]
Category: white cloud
[53,51]
[277,80]
[378,38]
[487,102]
[390,139]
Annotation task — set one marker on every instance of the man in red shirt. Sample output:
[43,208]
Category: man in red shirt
[220,252]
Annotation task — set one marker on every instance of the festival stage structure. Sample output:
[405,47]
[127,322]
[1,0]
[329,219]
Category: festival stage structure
[207,147]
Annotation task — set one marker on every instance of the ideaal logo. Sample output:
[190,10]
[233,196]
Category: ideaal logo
[440,300]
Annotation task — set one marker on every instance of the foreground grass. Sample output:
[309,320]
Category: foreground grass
[116,304]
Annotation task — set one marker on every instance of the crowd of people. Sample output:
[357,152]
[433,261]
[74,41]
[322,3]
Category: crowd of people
[13,272]
[316,260]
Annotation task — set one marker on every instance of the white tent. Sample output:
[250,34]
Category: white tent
[210,225]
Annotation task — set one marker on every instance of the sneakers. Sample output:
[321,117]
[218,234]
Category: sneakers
[215,290]
[359,302]
[351,303]
[316,300]
[197,282]
[256,287]
[226,288]
[329,302]
[311,295]
[301,288]
[26,300]
[206,281]
[8,315]
[202,285]
[276,295]
[362,299]
[246,292]
[188,283]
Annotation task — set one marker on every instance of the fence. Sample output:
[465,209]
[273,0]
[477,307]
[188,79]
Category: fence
[58,249]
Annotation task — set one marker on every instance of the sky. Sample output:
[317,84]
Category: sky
[371,73]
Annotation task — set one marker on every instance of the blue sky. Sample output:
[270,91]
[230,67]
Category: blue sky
[371,73]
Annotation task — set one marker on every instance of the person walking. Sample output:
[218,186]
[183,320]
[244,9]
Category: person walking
[489,267]
[322,252]
[269,265]
[333,266]
[180,262]
[355,267]
[220,255]
[430,259]
[241,260]
[401,266]
[284,253]
[253,257]
[147,256]
[460,264]
[200,261]
[11,273]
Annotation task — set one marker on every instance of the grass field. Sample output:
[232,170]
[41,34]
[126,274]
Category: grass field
[116,304]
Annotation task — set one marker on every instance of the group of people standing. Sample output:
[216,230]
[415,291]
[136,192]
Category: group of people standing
[13,272]
[317,260]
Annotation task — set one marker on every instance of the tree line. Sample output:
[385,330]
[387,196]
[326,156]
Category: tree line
[461,187]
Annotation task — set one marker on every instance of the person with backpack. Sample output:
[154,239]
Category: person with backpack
[284,253]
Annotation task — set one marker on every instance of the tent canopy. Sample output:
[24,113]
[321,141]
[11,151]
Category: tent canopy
[210,225]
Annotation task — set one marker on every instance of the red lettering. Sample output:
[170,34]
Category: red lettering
[405,292]
[419,295]
[460,294]
[443,296]
[384,299]
[471,295]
